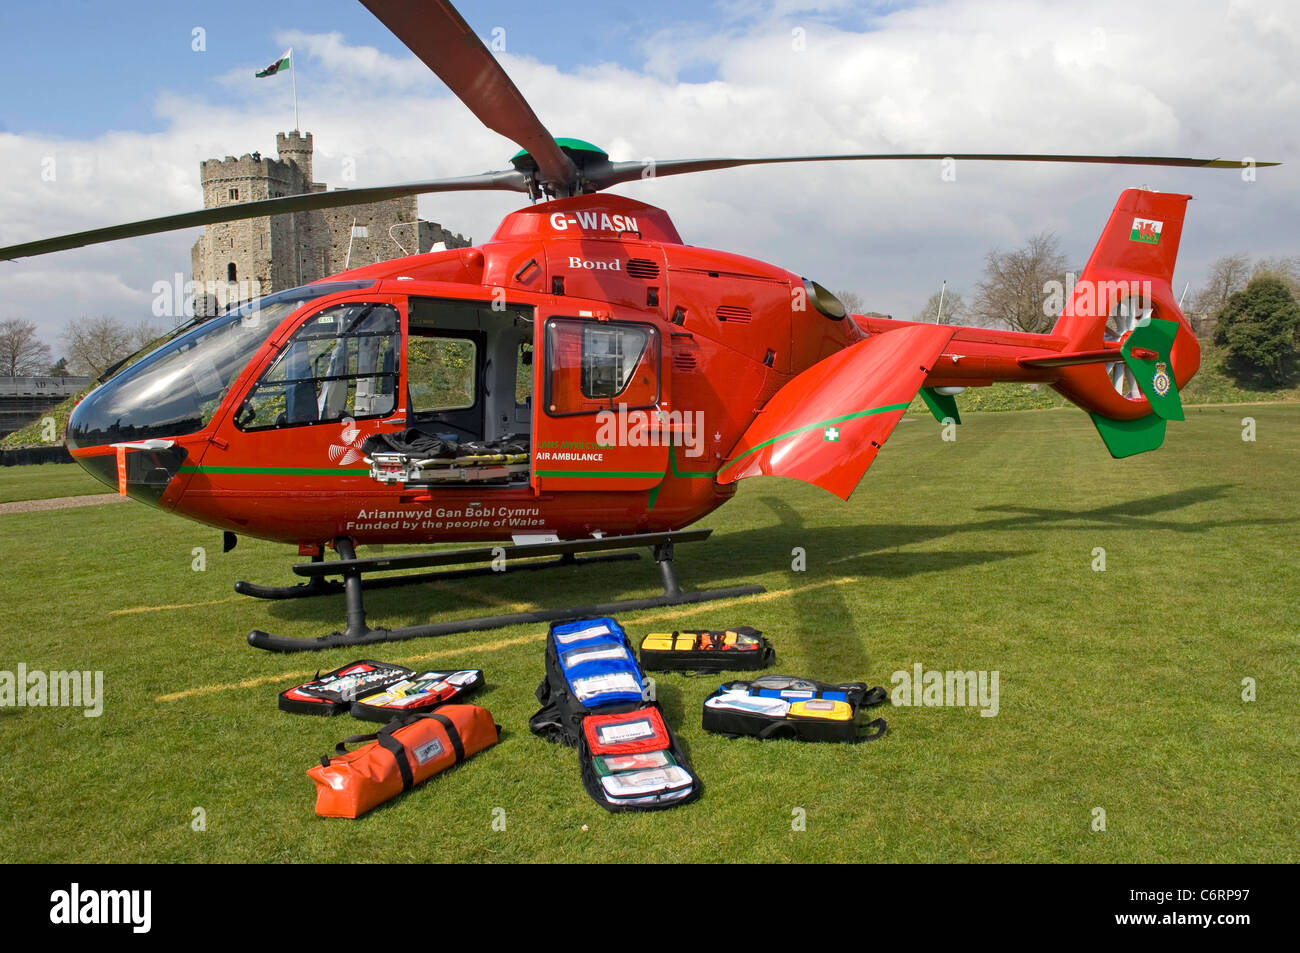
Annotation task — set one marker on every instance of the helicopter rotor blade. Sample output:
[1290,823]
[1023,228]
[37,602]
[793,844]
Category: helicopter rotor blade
[613,173]
[436,33]
[509,181]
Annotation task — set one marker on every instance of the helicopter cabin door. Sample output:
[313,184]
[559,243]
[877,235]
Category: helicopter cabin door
[601,418]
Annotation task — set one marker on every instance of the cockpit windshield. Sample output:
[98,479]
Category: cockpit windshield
[176,389]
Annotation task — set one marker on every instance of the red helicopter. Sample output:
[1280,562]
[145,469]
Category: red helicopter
[582,381]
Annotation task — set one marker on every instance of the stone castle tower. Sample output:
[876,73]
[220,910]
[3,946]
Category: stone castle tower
[234,261]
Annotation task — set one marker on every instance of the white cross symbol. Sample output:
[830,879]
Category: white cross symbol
[831,433]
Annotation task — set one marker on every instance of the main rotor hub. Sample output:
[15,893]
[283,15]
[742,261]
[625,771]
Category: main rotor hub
[581,153]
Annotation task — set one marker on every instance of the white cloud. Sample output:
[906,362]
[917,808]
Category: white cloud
[1112,77]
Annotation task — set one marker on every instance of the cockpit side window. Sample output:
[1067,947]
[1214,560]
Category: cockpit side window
[178,388]
[340,364]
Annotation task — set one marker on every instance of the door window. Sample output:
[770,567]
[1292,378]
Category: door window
[595,365]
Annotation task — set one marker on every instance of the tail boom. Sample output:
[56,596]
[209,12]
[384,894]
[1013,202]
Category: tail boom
[1122,348]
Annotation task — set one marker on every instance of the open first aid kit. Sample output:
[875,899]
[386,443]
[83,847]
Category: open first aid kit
[593,699]
[423,692]
[630,760]
[740,648]
[379,691]
[405,752]
[334,692]
[781,706]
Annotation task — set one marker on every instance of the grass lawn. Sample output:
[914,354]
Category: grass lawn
[45,481]
[1119,690]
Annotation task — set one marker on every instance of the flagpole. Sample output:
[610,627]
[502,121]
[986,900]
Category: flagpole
[293,75]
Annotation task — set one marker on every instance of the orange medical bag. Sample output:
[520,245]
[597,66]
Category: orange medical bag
[402,754]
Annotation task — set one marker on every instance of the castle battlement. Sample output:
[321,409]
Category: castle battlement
[295,147]
[247,167]
[246,164]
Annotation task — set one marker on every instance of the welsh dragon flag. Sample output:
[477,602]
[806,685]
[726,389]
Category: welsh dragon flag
[281,64]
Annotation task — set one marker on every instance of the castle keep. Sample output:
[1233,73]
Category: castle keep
[237,260]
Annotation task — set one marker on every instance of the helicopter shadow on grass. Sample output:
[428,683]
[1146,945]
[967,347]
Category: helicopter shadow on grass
[863,549]
[730,560]
[827,607]
[869,548]
[1133,514]
[733,559]
[877,549]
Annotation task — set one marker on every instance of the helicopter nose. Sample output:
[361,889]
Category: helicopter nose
[140,469]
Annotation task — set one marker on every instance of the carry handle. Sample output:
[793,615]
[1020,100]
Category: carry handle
[342,746]
[873,697]
[878,724]
[386,739]
[777,728]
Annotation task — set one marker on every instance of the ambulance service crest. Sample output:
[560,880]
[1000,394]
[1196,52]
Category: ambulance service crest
[1161,383]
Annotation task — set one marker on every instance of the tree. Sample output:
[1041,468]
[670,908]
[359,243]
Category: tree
[1016,288]
[954,308]
[22,353]
[1228,275]
[144,334]
[1259,327]
[852,301]
[96,344]
[1288,269]
[60,368]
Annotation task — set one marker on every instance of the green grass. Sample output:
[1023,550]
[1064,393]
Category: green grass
[1119,689]
[46,481]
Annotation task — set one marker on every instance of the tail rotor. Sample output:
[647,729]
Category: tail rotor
[1124,317]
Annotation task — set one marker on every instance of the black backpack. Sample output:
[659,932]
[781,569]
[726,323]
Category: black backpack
[593,699]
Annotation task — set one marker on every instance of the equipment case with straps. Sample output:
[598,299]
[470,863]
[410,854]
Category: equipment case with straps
[589,667]
[739,648]
[781,706]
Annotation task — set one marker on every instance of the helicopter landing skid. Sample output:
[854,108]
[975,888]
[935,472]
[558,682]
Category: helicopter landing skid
[352,570]
[320,586]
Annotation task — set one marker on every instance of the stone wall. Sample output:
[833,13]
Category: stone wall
[249,245]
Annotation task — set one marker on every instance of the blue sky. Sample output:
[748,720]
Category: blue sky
[114,94]
[98,65]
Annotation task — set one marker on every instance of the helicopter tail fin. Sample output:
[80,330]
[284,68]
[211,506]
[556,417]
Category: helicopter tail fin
[1124,302]
[826,425]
